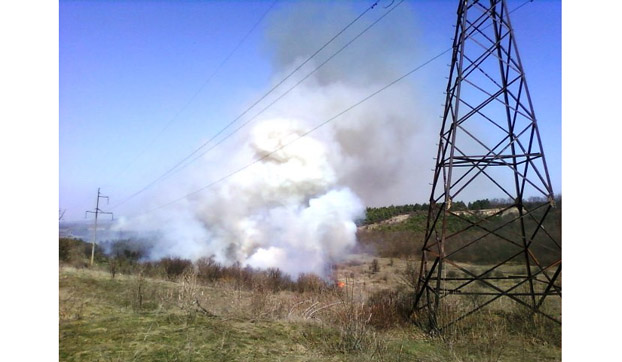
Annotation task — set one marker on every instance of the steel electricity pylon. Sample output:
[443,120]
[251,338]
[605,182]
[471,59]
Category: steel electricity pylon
[489,147]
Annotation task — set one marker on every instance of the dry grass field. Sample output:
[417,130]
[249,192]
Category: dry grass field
[135,317]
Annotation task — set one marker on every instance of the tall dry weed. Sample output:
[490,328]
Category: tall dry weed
[189,296]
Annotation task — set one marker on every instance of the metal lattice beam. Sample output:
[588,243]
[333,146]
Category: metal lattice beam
[489,143]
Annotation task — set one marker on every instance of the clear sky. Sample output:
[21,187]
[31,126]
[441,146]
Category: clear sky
[142,84]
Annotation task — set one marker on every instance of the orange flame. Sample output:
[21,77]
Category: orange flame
[341,284]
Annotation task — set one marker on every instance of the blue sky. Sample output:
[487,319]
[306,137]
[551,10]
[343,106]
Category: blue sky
[134,97]
[34,76]
[39,134]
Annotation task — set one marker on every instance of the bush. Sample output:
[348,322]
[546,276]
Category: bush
[131,250]
[76,252]
[277,280]
[174,267]
[208,270]
[152,269]
[112,267]
[352,319]
[375,266]
[310,283]
[389,308]
[68,249]
[409,276]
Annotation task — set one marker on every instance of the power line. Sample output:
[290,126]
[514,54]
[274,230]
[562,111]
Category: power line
[373,94]
[180,167]
[186,158]
[195,95]
[363,100]
[295,85]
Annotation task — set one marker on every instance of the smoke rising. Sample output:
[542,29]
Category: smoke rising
[296,208]
[287,211]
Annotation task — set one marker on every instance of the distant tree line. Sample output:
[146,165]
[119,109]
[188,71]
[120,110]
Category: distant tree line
[377,214]
[405,239]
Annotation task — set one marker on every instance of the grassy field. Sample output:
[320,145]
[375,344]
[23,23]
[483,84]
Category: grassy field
[132,317]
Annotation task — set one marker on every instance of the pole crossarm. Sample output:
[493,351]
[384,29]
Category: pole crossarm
[97,212]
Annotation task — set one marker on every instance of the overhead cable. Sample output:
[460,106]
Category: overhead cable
[199,90]
[363,100]
[186,158]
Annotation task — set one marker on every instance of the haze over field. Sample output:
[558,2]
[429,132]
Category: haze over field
[296,208]
[289,197]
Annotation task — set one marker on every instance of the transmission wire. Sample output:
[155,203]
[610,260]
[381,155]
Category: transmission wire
[286,92]
[196,94]
[178,164]
[373,94]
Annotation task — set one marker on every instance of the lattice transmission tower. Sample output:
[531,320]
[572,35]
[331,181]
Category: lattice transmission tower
[489,147]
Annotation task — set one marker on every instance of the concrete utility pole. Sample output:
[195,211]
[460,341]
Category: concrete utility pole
[97,212]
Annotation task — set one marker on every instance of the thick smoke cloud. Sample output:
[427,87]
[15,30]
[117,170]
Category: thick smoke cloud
[379,142]
[286,211]
[296,207]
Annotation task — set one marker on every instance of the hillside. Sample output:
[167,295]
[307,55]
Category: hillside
[127,308]
[399,231]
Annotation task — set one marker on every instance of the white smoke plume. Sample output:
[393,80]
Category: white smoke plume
[287,211]
[296,208]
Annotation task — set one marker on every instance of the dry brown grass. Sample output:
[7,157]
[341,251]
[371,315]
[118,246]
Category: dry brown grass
[367,319]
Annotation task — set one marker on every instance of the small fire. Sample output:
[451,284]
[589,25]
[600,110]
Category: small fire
[341,284]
